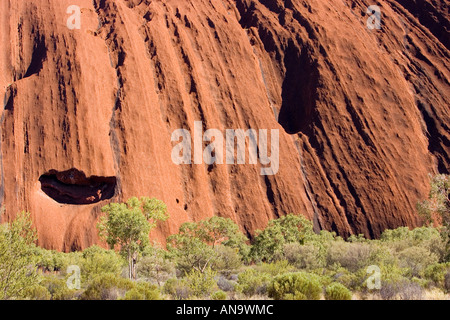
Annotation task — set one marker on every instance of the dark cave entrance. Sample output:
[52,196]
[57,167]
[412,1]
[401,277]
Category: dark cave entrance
[73,187]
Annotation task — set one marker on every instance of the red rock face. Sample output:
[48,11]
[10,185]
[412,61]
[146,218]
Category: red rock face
[88,113]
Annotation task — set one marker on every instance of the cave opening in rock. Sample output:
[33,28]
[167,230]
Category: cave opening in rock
[73,187]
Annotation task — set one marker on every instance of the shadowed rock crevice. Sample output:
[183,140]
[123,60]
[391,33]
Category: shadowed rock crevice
[73,187]
[299,91]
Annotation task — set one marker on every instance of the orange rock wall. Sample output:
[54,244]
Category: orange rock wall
[363,114]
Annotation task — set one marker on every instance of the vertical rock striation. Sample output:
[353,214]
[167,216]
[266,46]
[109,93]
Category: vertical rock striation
[88,113]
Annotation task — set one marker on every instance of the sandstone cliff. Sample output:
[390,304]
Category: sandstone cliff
[88,113]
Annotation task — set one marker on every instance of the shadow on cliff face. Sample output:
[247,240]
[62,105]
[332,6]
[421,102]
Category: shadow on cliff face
[73,187]
[299,90]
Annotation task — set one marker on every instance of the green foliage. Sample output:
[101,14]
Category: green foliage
[17,268]
[416,259]
[352,256]
[97,261]
[209,256]
[268,244]
[194,245]
[58,289]
[296,286]
[219,295]
[307,256]
[228,259]
[438,199]
[155,266]
[190,253]
[252,282]
[354,281]
[127,226]
[436,273]
[177,289]
[437,207]
[37,292]
[201,284]
[143,291]
[107,287]
[337,291]
[274,268]
[50,260]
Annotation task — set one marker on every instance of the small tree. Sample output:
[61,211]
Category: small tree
[127,226]
[438,206]
[268,244]
[17,269]
[195,243]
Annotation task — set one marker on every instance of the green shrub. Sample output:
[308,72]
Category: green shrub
[275,268]
[227,259]
[107,287]
[194,246]
[352,256]
[58,288]
[426,237]
[252,282]
[97,261]
[143,291]
[50,260]
[268,243]
[17,265]
[306,256]
[436,273]
[416,259]
[219,295]
[299,285]
[337,291]
[37,292]
[155,267]
[202,283]
[177,289]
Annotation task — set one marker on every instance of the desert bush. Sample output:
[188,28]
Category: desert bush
[201,283]
[97,261]
[155,267]
[447,281]
[275,268]
[306,256]
[17,265]
[219,295]
[299,285]
[194,246]
[351,280]
[427,238]
[50,260]
[416,259]
[268,243]
[224,284]
[58,288]
[437,208]
[252,282]
[177,289]
[143,291]
[107,287]
[352,256]
[436,273]
[37,292]
[401,288]
[227,259]
[337,291]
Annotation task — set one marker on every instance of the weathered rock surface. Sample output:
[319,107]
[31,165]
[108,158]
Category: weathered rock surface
[363,114]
